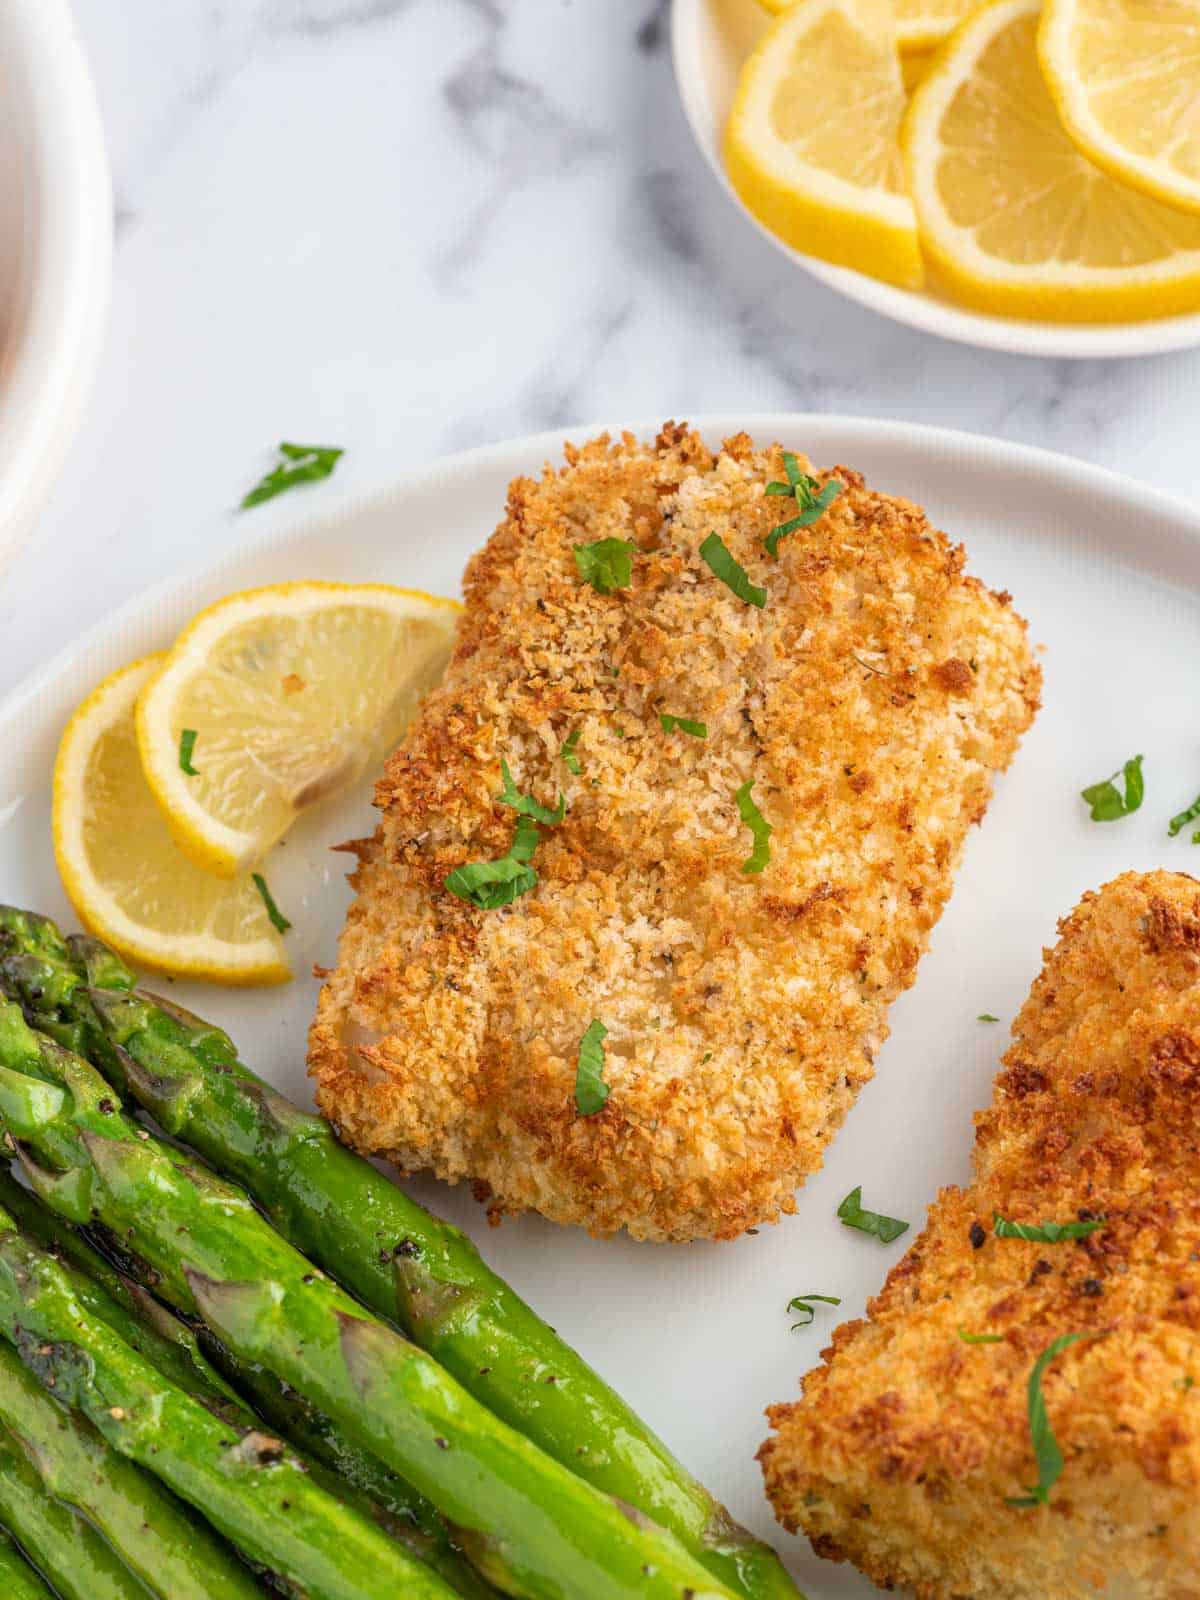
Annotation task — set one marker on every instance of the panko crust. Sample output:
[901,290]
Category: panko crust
[907,1440]
[870,701]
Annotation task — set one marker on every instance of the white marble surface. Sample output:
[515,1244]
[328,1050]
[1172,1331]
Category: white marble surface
[410,226]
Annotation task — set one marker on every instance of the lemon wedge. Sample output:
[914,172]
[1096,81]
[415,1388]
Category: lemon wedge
[278,697]
[121,869]
[1125,76]
[811,144]
[1015,218]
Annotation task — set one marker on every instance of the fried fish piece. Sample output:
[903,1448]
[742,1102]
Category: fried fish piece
[868,701]
[909,1441]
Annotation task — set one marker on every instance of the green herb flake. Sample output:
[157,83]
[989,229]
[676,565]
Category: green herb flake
[567,752]
[606,565]
[980,1338]
[187,745]
[488,885]
[302,463]
[1185,1383]
[1043,1232]
[591,1091]
[813,500]
[525,804]
[706,1057]
[1046,1452]
[986,1016]
[759,827]
[278,921]
[885,1229]
[715,554]
[1107,801]
[698,730]
[803,1306]
[1184,817]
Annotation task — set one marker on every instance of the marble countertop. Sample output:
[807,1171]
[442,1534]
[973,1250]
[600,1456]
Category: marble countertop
[412,226]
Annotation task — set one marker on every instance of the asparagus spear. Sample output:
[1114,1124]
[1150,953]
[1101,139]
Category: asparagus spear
[337,1463]
[248,1484]
[130,1311]
[174,1554]
[397,1258]
[350,1473]
[346,1468]
[63,1547]
[18,1580]
[526,1523]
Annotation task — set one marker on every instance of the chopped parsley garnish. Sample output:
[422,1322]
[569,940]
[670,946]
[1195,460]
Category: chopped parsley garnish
[302,463]
[567,752]
[698,730]
[802,1305]
[606,565]
[525,804]
[1184,817]
[885,1229]
[980,1338]
[591,1091]
[808,495]
[488,885]
[278,921]
[1107,801]
[1046,1452]
[759,827]
[187,744]
[715,554]
[986,1016]
[1043,1232]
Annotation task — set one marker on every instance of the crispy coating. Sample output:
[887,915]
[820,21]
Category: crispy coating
[907,1440]
[869,701]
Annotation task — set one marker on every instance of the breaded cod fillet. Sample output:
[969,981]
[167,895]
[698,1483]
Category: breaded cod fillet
[908,1440]
[868,700]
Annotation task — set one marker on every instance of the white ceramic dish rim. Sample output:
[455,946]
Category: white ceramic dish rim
[1157,512]
[1014,336]
[59,308]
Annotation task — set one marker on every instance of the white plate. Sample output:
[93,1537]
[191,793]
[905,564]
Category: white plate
[55,250]
[709,41]
[1108,574]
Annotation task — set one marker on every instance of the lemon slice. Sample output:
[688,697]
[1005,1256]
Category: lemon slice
[121,869]
[1015,217]
[1126,78]
[811,145]
[277,698]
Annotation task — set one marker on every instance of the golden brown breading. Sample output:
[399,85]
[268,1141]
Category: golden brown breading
[907,1441]
[869,701]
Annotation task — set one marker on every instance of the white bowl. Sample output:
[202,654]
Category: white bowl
[709,41]
[55,250]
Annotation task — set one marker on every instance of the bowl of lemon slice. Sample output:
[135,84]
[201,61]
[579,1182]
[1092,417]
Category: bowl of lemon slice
[1018,174]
